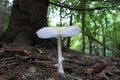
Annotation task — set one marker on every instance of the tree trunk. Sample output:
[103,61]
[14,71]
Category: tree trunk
[104,49]
[69,38]
[27,16]
[90,47]
[83,25]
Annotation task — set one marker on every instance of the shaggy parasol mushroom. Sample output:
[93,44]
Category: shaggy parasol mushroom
[52,32]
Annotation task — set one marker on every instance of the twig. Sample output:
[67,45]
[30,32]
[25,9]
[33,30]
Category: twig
[106,78]
[76,78]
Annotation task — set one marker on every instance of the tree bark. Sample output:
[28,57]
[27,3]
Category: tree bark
[90,46]
[69,38]
[27,16]
[83,26]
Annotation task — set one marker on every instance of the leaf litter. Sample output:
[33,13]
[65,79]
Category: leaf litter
[18,62]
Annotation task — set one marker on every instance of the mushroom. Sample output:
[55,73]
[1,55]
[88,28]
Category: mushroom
[58,32]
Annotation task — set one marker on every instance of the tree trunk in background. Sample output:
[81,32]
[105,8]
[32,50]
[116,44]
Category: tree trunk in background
[90,46]
[104,38]
[27,16]
[104,49]
[69,38]
[60,16]
[83,25]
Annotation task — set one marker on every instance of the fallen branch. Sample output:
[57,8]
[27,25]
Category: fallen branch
[42,57]
[26,52]
[97,68]
[72,77]
[79,63]
[51,66]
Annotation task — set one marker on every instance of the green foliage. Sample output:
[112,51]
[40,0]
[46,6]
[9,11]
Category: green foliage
[104,22]
[4,15]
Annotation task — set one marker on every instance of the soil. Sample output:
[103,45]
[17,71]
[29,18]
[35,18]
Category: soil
[19,62]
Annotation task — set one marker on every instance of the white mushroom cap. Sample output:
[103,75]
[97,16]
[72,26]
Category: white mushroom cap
[52,32]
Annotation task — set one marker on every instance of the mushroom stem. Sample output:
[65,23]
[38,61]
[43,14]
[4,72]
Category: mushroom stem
[60,57]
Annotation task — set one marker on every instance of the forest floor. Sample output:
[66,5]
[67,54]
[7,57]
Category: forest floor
[18,62]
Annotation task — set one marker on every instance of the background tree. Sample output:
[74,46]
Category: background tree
[4,15]
[27,16]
